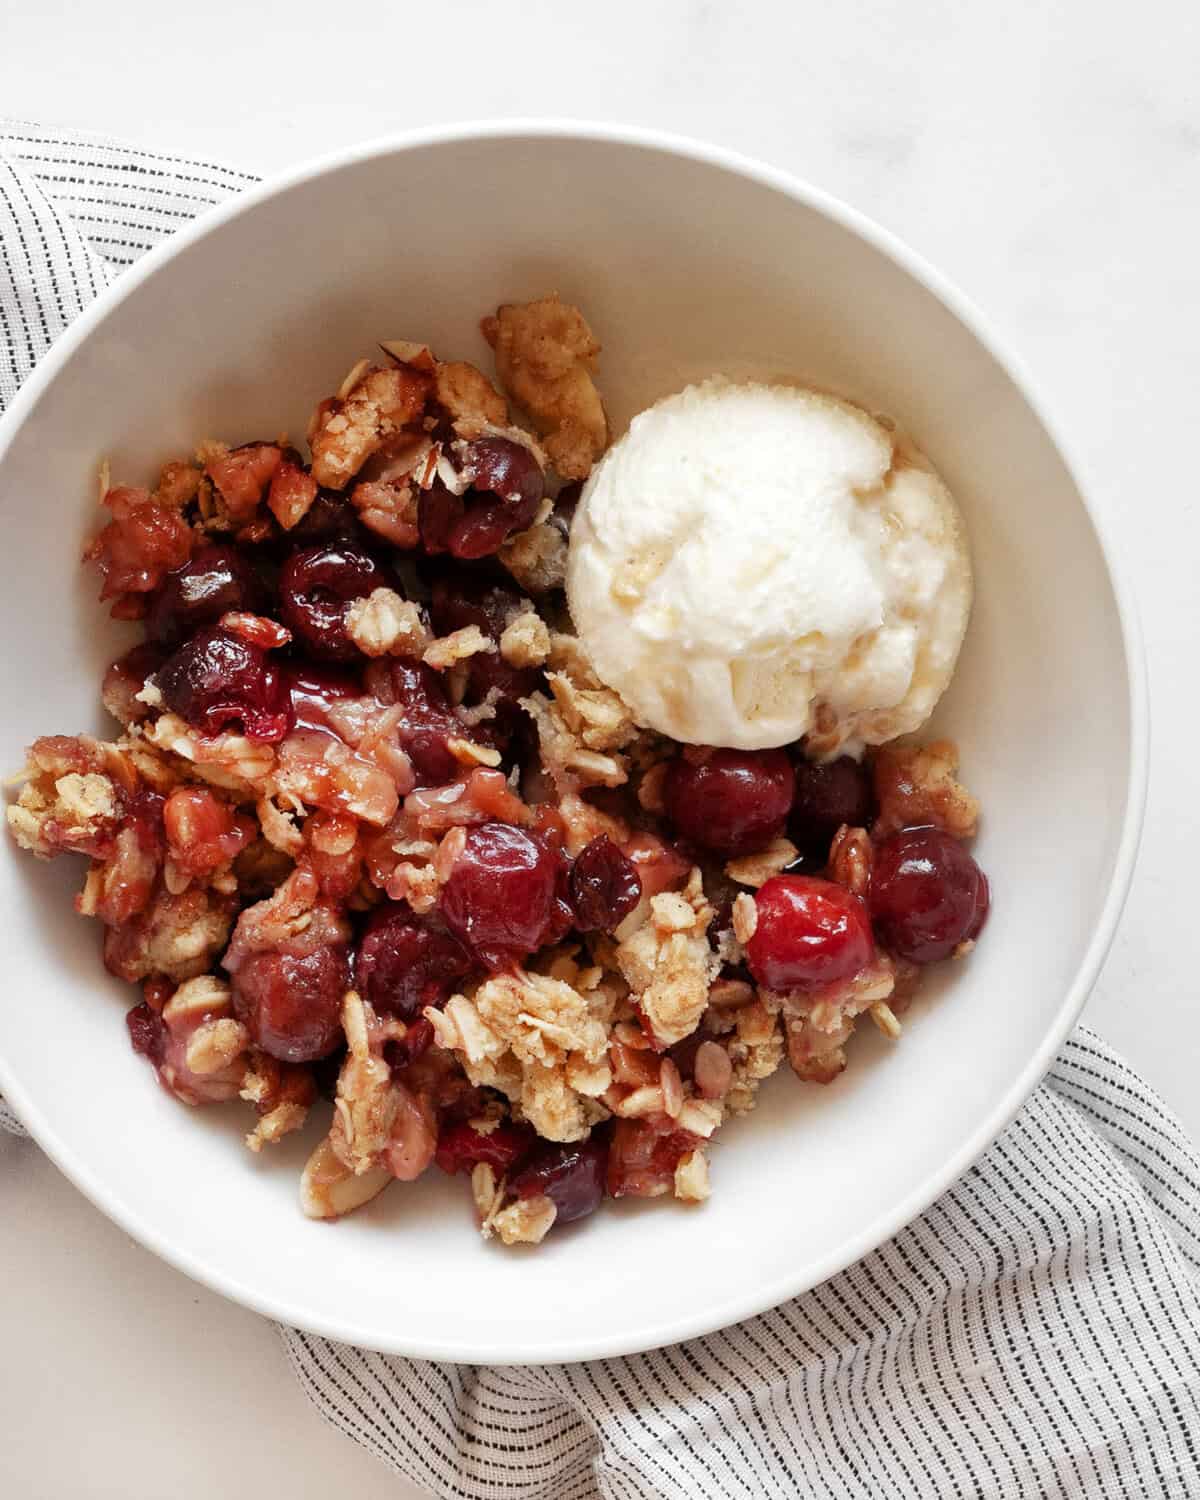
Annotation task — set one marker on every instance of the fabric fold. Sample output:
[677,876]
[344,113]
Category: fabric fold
[1036,1332]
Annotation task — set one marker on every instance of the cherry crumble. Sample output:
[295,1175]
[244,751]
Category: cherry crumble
[373,832]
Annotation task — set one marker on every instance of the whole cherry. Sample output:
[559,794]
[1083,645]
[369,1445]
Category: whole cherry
[829,794]
[809,932]
[503,898]
[927,894]
[316,587]
[218,681]
[730,801]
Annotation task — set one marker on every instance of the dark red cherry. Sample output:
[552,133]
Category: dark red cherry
[828,795]
[505,489]
[498,466]
[216,578]
[429,722]
[570,1175]
[219,681]
[330,518]
[292,1004]
[316,588]
[462,1146]
[730,801]
[604,886]
[439,512]
[502,897]
[405,962]
[927,894]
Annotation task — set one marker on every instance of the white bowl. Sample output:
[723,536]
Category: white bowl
[687,260]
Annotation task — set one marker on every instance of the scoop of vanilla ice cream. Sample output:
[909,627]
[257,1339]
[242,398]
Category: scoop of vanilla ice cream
[751,564]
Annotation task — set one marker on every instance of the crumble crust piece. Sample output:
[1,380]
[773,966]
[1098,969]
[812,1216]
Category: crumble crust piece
[545,354]
[540,1042]
[668,962]
[918,785]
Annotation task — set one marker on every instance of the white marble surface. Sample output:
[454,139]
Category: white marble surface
[1045,157]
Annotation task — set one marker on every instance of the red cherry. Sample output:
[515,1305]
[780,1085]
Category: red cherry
[503,895]
[316,587]
[828,795]
[405,962]
[571,1176]
[927,894]
[216,578]
[291,1003]
[810,932]
[732,801]
[461,1147]
[217,678]
[506,486]
[429,722]
[605,886]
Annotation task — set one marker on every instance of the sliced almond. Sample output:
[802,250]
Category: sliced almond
[329,1189]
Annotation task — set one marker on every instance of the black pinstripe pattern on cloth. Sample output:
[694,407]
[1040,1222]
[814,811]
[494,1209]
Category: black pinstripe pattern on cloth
[1035,1334]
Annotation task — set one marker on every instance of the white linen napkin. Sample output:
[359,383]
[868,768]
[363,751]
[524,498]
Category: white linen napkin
[1035,1334]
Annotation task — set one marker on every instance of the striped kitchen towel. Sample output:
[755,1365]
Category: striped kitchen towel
[1036,1333]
